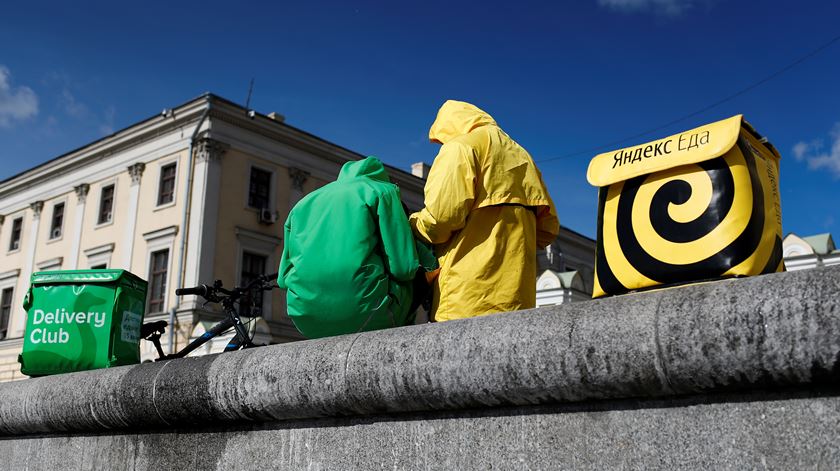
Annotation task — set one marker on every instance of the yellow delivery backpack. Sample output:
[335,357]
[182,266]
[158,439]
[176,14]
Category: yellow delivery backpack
[697,205]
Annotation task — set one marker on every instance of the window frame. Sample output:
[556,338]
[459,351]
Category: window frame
[158,240]
[18,220]
[271,187]
[50,264]
[9,279]
[265,245]
[50,236]
[102,187]
[163,166]
[5,324]
[241,276]
[164,285]
[99,255]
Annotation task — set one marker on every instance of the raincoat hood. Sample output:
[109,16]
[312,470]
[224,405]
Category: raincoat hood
[370,167]
[487,212]
[348,255]
[456,118]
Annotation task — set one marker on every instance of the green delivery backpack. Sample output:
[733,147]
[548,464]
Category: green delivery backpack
[82,320]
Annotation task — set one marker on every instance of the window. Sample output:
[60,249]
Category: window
[253,265]
[57,221]
[106,204]
[5,311]
[100,256]
[158,263]
[259,188]
[166,188]
[14,242]
[101,266]
[50,265]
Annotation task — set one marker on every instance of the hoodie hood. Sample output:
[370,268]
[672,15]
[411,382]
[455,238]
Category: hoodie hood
[370,167]
[456,118]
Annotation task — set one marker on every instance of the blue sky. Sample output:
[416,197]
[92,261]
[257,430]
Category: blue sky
[559,77]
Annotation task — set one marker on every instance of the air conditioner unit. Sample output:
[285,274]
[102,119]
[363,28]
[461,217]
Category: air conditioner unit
[268,216]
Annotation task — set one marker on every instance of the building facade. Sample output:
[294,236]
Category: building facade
[195,194]
[809,252]
[566,269]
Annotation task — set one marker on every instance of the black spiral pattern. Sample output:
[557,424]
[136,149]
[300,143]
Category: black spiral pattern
[678,192]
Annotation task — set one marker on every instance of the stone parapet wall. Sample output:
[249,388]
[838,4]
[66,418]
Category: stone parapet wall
[795,431]
[577,367]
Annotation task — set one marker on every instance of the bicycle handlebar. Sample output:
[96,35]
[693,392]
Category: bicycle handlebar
[202,290]
[207,292]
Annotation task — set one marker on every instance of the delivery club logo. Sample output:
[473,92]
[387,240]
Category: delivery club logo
[44,323]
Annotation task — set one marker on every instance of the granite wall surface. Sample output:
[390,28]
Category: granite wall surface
[735,373]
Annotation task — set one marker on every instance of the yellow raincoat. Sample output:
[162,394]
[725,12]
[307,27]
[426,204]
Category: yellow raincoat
[487,210]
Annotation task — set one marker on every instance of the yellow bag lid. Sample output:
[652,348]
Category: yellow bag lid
[688,147]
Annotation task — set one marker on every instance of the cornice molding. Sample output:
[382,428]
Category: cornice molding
[99,250]
[170,231]
[251,234]
[14,273]
[293,137]
[123,140]
[182,118]
[53,262]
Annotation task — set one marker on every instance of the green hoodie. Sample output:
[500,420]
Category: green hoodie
[349,255]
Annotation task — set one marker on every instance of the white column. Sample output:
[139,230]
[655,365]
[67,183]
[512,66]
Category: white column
[136,173]
[204,215]
[32,241]
[81,196]
[298,178]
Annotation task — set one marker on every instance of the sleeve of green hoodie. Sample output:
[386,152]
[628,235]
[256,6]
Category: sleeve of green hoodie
[285,262]
[397,240]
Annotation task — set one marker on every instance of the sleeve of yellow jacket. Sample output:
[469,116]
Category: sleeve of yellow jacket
[449,194]
[548,226]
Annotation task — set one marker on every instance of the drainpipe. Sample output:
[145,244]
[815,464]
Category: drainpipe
[184,224]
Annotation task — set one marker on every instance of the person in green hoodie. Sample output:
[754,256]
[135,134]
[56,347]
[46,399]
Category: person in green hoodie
[349,256]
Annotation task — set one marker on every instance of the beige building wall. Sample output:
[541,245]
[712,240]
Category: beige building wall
[84,241]
[159,220]
[52,251]
[95,234]
[219,227]
[240,230]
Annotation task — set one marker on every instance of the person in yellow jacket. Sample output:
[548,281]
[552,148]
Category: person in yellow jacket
[486,212]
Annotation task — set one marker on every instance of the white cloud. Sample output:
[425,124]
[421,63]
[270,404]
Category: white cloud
[661,7]
[802,149]
[107,127]
[72,106]
[819,159]
[16,103]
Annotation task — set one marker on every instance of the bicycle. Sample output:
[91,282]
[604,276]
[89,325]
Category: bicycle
[152,331]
